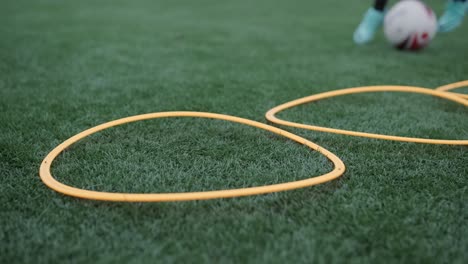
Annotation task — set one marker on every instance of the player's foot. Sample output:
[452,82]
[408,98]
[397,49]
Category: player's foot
[453,16]
[370,23]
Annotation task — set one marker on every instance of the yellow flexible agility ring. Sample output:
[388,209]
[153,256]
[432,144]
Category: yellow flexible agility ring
[271,114]
[48,179]
[452,86]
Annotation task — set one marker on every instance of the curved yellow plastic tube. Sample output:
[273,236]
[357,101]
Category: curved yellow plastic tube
[271,114]
[456,85]
[48,179]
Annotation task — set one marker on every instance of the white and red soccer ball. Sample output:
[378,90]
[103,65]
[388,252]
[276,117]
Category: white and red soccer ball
[410,25]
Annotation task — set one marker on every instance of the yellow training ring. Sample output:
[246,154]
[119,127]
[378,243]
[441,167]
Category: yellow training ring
[271,114]
[48,179]
[452,86]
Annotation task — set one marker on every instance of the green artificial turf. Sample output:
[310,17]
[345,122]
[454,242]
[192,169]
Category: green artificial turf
[66,66]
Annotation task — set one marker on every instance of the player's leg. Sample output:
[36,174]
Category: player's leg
[453,15]
[372,20]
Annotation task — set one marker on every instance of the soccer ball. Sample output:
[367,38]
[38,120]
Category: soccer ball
[410,25]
